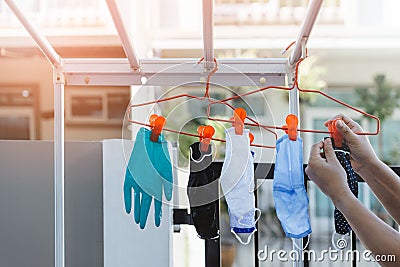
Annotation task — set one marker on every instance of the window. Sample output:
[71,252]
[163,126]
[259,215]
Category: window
[345,94]
[198,108]
[91,106]
[254,106]
[293,3]
[14,127]
[18,112]
[115,105]
[87,106]
[387,144]
[332,3]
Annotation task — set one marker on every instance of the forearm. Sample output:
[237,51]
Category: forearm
[386,186]
[376,235]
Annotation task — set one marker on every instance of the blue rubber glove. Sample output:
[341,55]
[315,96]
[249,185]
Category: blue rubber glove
[149,171]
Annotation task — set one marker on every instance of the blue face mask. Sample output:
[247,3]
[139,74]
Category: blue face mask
[290,196]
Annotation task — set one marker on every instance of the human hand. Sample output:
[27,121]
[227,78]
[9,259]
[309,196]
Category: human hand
[361,151]
[327,173]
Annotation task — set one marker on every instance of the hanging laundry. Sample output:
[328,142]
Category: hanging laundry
[202,191]
[237,181]
[290,196]
[149,171]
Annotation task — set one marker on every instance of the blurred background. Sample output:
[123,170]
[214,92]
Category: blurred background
[354,55]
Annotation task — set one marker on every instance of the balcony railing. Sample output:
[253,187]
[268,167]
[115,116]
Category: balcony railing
[273,12]
[57,13]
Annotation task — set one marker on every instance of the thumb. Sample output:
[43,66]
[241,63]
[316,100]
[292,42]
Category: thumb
[346,132]
[328,149]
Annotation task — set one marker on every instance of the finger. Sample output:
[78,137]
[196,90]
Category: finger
[346,132]
[308,171]
[137,206]
[144,209]
[157,212]
[128,199]
[166,172]
[338,116]
[167,189]
[329,152]
[354,126]
[315,151]
[128,192]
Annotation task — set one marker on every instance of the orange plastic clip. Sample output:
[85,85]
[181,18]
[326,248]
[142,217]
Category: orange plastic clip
[200,130]
[251,136]
[238,120]
[285,128]
[335,134]
[157,123]
[292,121]
[205,133]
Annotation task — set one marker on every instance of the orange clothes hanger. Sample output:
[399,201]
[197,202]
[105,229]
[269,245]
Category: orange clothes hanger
[205,97]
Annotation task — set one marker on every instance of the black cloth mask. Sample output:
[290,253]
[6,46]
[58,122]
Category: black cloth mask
[202,191]
[343,155]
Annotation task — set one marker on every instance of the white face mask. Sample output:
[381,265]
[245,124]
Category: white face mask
[237,181]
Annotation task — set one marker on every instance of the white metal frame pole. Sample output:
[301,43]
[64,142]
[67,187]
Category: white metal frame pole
[294,100]
[40,40]
[311,16]
[59,161]
[294,108]
[123,35]
[57,62]
[208,33]
[308,24]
